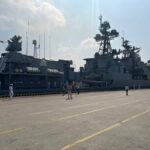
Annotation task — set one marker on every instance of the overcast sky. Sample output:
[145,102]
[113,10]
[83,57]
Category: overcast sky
[70,25]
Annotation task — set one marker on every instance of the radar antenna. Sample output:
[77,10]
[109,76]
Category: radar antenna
[104,37]
[35,54]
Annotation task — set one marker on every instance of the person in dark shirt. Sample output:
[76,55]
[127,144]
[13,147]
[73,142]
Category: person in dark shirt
[126,89]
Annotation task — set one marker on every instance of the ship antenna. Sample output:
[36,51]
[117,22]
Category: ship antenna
[39,45]
[27,38]
[100,18]
[26,43]
[49,46]
[123,34]
[44,44]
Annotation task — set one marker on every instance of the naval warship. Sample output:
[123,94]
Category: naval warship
[108,69]
[114,69]
[31,74]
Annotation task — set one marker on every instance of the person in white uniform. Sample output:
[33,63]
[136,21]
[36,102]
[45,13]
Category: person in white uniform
[11,91]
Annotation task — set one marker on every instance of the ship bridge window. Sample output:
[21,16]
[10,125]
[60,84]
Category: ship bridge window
[18,70]
[55,71]
[139,77]
[32,69]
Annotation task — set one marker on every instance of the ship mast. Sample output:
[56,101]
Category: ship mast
[105,36]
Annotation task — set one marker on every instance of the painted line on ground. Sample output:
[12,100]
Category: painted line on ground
[67,147]
[94,111]
[43,112]
[135,116]
[71,107]
[6,132]
[81,106]
[84,113]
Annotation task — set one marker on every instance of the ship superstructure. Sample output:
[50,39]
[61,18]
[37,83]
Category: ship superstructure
[30,73]
[111,68]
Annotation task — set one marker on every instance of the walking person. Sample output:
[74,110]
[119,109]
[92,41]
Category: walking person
[64,89]
[126,89]
[78,88]
[69,90]
[11,91]
[74,87]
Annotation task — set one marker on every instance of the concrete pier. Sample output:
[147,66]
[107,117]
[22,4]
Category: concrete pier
[91,121]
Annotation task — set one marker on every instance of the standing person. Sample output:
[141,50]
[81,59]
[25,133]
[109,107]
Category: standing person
[64,89]
[126,89]
[78,88]
[74,87]
[11,91]
[69,90]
